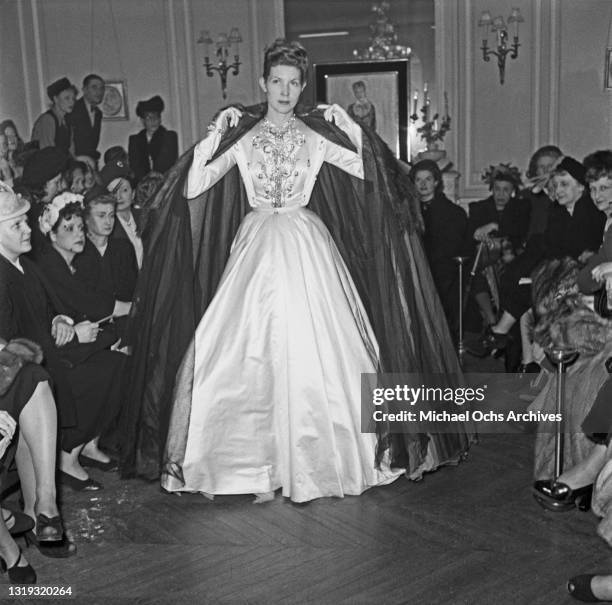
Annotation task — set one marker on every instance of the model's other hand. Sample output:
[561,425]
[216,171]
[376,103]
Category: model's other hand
[229,116]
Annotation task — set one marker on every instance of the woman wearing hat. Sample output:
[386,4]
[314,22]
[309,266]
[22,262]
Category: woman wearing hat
[154,147]
[41,181]
[52,128]
[575,229]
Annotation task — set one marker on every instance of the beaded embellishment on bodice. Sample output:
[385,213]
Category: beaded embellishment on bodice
[280,147]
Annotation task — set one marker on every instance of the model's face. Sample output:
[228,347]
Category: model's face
[65,100]
[283,88]
[78,181]
[11,137]
[545,164]
[567,189]
[502,192]
[425,185]
[124,195]
[15,237]
[69,237]
[94,91]
[101,219]
[53,187]
[601,193]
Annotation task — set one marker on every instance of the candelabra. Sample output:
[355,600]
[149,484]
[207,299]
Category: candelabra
[222,52]
[498,25]
[431,130]
[383,42]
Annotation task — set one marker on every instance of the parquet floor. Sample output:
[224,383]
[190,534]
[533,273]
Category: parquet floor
[470,534]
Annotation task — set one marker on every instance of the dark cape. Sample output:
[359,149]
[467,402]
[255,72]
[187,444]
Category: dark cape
[375,223]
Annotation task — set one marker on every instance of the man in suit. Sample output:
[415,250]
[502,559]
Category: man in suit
[86,118]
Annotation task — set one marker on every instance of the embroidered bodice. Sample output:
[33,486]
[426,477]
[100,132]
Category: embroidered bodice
[278,166]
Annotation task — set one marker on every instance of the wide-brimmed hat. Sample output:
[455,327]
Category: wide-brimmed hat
[153,105]
[59,86]
[112,173]
[43,165]
[12,205]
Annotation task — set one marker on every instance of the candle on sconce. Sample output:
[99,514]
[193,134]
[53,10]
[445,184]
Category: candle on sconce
[427,110]
[415,102]
[435,127]
[445,104]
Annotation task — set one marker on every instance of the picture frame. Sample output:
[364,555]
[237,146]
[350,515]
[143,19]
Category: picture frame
[374,93]
[114,105]
[608,69]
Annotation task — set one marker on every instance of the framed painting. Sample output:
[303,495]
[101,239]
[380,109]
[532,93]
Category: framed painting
[374,93]
[114,104]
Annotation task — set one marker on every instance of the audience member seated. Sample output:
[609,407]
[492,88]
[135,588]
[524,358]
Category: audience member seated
[28,397]
[115,178]
[597,273]
[86,375]
[86,118]
[574,229]
[502,216]
[445,235]
[154,147]
[565,321]
[42,180]
[53,128]
[108,263]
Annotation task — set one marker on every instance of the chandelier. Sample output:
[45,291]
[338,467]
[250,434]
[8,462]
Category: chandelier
[383,41]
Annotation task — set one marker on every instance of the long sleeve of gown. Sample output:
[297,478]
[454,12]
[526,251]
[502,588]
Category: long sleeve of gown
[345,159]
[203,173]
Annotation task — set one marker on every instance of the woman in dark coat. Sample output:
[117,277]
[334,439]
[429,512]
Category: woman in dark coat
[86,375]
[154,147]
[445,235]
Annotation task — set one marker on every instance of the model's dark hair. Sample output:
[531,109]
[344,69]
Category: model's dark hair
[551,150]
[429,166]
[281,52]
[598,165]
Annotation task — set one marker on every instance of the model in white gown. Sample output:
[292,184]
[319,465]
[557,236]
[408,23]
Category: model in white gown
[280,350]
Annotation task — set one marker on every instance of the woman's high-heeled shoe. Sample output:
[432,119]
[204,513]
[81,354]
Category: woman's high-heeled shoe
[579,587]
[19,575]
[559,497]
[49,529]
[56,550]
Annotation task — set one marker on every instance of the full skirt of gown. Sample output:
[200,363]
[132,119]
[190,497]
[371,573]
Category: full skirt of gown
[276,363]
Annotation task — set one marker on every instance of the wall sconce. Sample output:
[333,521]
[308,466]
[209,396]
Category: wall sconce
[498,26]
[222,51]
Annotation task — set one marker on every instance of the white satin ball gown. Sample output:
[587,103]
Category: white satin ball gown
[278,354]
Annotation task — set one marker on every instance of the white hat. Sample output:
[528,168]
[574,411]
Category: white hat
[12,205]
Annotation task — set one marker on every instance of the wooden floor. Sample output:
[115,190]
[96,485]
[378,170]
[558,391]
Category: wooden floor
[470,534]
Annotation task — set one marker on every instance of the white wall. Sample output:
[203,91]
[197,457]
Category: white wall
[149,43]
